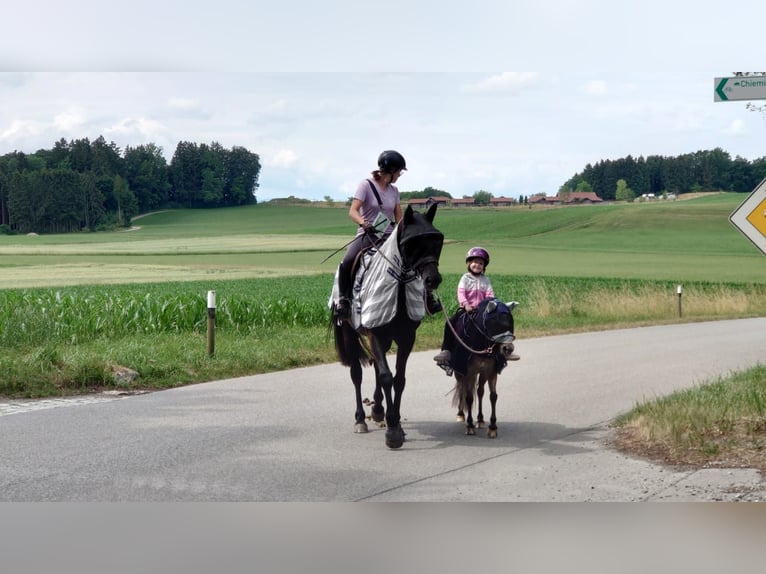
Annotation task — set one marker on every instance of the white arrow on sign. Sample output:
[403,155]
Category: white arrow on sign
[739,88]
[750,217]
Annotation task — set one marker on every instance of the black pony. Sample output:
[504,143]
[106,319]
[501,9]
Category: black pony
[411,271]
[484,345]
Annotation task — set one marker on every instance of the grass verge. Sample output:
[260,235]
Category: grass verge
[718,424]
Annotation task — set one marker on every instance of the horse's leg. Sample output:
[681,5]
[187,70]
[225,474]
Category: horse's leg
[468,387]
[492,430]
[360,426]
[404,347]
[378,411]
[480,396]
[384,378]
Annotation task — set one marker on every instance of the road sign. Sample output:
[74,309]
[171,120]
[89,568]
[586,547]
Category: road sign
[739,88]
[750,217]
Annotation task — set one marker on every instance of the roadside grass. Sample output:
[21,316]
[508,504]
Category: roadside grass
[718,424]
[67,340]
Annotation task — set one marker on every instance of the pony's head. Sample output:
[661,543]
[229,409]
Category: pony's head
[420,244]
[496,320]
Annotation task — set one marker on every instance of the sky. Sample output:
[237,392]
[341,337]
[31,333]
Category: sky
[318,90]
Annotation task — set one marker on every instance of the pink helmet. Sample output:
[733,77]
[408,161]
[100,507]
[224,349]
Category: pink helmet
[479,252]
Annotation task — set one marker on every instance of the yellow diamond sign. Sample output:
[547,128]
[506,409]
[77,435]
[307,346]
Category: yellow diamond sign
[750,217]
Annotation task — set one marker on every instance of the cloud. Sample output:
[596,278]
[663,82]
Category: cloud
[20,129]
[281,158]
[736,127]
[595,88]
[149,130]
[502,83]
[187,108]
[69,120]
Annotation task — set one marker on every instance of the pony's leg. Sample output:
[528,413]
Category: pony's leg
[492,430]
[470,429]
[480,396]
[360,426]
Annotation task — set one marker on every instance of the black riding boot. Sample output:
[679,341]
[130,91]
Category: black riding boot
[343,304]
[433,305]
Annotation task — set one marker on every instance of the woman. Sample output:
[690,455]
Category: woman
[373,198]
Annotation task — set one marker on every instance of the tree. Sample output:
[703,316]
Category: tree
[147,174]
[127,205]
[241,171]
[482,197]
[623,192]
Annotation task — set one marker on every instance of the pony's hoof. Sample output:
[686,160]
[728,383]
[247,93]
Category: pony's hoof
[481,424]
[470,431]
[378,417]
[460,418]
[395,438]
[360,428]
[492,433]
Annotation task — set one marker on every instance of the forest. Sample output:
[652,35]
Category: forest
[80,184]
[83,185]
[710,170]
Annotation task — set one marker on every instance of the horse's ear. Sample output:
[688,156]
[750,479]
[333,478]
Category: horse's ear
[409,215]
[431,213]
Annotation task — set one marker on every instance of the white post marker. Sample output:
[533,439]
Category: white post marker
[678,290]
[211,323]
[750,217]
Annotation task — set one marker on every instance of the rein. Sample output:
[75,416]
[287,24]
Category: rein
[488,351]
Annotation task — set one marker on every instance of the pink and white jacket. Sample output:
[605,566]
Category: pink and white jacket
[473,289]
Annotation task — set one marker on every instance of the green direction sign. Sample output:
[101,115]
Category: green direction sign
[739,88]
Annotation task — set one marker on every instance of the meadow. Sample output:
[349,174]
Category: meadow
[76,306]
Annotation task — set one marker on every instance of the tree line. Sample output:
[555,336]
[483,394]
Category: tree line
[710,170]
[81,184]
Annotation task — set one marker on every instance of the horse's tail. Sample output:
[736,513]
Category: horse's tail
[348,344]
[463,386]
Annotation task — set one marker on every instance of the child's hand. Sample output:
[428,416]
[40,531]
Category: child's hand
[467,308]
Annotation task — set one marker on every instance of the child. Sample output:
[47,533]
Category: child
[473,287]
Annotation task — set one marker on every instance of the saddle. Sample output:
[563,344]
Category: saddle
[378,274]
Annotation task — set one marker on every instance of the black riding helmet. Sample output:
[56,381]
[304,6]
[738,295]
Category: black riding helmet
[391,161]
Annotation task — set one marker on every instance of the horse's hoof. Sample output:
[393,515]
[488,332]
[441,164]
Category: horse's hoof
[470,431]
[378,417]
[481,424]
[360,428]
[395,438]
[460,418]
[492,433]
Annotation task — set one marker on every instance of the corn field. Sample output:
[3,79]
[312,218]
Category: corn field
[79,314]
[75,315]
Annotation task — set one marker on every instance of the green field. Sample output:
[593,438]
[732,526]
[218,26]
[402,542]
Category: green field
[690,240]
[74,306]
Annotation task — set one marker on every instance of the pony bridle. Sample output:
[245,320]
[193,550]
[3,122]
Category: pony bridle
[499,339]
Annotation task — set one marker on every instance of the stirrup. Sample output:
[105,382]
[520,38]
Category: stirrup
[343,308]
[446,368]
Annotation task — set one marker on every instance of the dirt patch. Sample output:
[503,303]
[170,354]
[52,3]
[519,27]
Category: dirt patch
[739,452]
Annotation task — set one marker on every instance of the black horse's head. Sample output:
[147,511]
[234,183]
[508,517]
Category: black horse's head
[420,244]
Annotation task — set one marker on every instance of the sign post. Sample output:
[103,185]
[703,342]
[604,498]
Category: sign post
[750,217]
[739,88]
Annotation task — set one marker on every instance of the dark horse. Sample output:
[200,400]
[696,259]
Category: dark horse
[413,271]
[484,344]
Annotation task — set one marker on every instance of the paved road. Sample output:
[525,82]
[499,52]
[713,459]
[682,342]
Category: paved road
[288,436]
